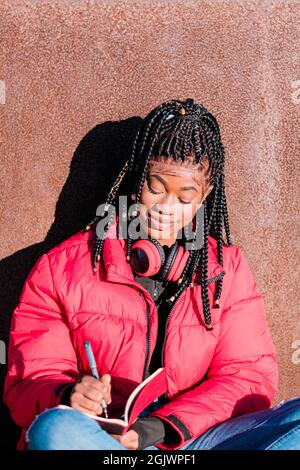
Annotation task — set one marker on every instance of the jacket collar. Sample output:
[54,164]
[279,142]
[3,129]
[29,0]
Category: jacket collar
[119,270]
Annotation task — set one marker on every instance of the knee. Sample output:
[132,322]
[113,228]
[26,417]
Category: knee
[50,426]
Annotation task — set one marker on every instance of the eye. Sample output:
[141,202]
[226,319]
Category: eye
[154,192]
[185,202]
[151,190]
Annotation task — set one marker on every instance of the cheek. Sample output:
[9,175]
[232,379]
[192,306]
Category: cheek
[146,200]
[187,214]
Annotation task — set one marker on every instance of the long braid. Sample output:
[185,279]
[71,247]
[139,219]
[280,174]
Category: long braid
[189,269]
[204,273]
[212,218]
[220,243]
[98,244]
[225,212]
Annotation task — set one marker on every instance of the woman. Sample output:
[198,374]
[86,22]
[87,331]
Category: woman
[175,296]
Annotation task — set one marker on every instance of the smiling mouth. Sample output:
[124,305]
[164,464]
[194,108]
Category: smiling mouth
[171,221]
[160,226]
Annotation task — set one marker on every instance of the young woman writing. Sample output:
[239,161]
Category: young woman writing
[151,302]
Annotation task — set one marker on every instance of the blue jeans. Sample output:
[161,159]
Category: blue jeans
[277,428]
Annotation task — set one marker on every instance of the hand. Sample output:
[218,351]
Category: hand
[130,439]
[88,393]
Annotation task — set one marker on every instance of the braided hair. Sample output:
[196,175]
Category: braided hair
[178,129]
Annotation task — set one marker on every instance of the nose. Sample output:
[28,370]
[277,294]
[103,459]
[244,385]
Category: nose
[166,206]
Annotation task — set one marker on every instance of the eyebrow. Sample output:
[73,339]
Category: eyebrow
[184,188]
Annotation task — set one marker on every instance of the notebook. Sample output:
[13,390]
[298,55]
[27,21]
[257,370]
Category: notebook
[142,395]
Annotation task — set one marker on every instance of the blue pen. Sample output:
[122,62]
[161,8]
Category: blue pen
[94,370]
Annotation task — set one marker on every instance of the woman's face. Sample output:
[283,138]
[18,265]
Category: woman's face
[171,195]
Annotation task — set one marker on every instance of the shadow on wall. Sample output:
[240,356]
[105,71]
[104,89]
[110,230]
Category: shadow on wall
[95,164]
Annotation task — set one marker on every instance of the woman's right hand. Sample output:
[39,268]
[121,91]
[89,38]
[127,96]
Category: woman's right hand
[88,393]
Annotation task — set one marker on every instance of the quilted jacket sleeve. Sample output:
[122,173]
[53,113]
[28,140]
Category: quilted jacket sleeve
[41,357]
[242,376]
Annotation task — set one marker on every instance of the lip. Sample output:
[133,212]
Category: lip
[160,226]
[157,221]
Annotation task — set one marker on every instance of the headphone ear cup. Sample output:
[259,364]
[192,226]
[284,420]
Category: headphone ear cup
[178,265]
[147,257]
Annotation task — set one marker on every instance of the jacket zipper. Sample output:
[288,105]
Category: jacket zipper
[166,326]
[147,337]
[170,313]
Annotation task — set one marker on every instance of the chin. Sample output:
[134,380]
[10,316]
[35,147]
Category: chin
[160,234]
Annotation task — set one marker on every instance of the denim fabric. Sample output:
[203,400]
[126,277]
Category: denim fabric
[277,428]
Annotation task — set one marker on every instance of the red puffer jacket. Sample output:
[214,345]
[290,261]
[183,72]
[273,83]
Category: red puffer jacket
[212,375]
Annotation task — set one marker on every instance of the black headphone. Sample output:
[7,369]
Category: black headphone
[148,258]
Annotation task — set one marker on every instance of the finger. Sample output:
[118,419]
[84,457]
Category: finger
[129,440]
[103,385]
[107,396]
[106,381]
[84,402]
[89,380]
[131,435]
[89,384]
[91,393]
[75,406]
[94,391]
[106,393]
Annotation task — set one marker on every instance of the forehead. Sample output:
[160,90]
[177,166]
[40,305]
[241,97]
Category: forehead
[187,169]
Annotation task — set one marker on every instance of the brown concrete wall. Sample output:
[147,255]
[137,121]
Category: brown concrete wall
[74,78]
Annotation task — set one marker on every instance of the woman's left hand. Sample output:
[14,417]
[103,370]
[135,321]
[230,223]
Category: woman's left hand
[130,439]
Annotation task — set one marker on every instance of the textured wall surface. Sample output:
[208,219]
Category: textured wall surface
[75,79]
